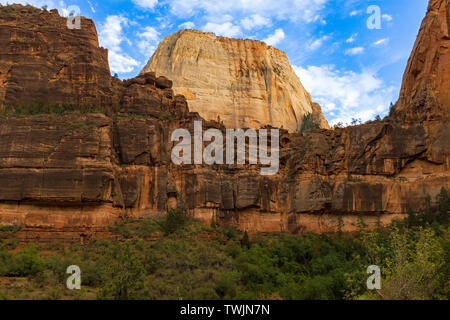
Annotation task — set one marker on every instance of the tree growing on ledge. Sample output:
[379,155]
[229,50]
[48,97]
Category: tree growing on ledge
[308,124]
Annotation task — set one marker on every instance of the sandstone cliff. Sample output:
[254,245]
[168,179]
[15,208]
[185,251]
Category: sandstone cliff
[244,83]
[68,176]
[41,60]
[425,92]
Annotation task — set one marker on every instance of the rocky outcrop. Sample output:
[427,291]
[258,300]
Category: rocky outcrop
[242,83]
[425,92]
[375,172]
[43,61]
[66,177]
[77,180]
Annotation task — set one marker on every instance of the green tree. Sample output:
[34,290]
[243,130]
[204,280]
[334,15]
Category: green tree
[308,124]
[124,273]
[415,270]
[245,242]
[173,221]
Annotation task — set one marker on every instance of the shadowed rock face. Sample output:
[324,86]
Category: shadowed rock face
[67,177]
[425,92]
[244,83]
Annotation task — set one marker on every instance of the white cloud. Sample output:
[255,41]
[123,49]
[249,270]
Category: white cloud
[226,18]
[121,63]
[387,17]
[111,37]
[317,43]
[255,21]
[355,13]
[354,51]
[148,41]
[275,38]
[352,38]
[187,25]
[381,42]
[149,33]
[294,10]
[146,4]
[226,29]
[344,95]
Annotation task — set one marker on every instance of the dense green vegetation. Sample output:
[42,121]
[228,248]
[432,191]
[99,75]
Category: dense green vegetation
[178,258]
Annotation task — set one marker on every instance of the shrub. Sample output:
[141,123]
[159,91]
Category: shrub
[173,221]
[308,124]
[27,262]
[121,229]
[123,273]
[415,269]
[146,228]
[245,242]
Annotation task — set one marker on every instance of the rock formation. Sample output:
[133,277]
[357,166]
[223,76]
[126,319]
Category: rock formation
[244,83]
[425,92]
[41,60]
[66,177]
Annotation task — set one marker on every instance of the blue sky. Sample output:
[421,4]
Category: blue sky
[351,70]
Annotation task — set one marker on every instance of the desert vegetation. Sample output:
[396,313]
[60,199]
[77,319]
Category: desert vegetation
[179,258]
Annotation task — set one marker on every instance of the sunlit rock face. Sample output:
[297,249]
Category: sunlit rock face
[244,83]
[425,92]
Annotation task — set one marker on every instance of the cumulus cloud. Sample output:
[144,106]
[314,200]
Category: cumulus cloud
[344,95]
[111,37]
[187,25]
[354,51]
[146,4]
[255,21]
[226,29]
[148,41]
[121,63]
[294,10]
[275,38]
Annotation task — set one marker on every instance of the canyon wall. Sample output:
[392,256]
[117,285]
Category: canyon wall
[42,61]
[66,177]
[244,83]
[425,91]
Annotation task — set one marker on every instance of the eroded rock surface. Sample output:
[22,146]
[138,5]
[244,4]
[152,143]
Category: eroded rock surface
[242,83]
[425,92]
[41,60]
[67,177]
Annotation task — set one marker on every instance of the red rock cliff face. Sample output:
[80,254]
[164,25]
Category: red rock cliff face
[67,177]
[41,60]
[425,92]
